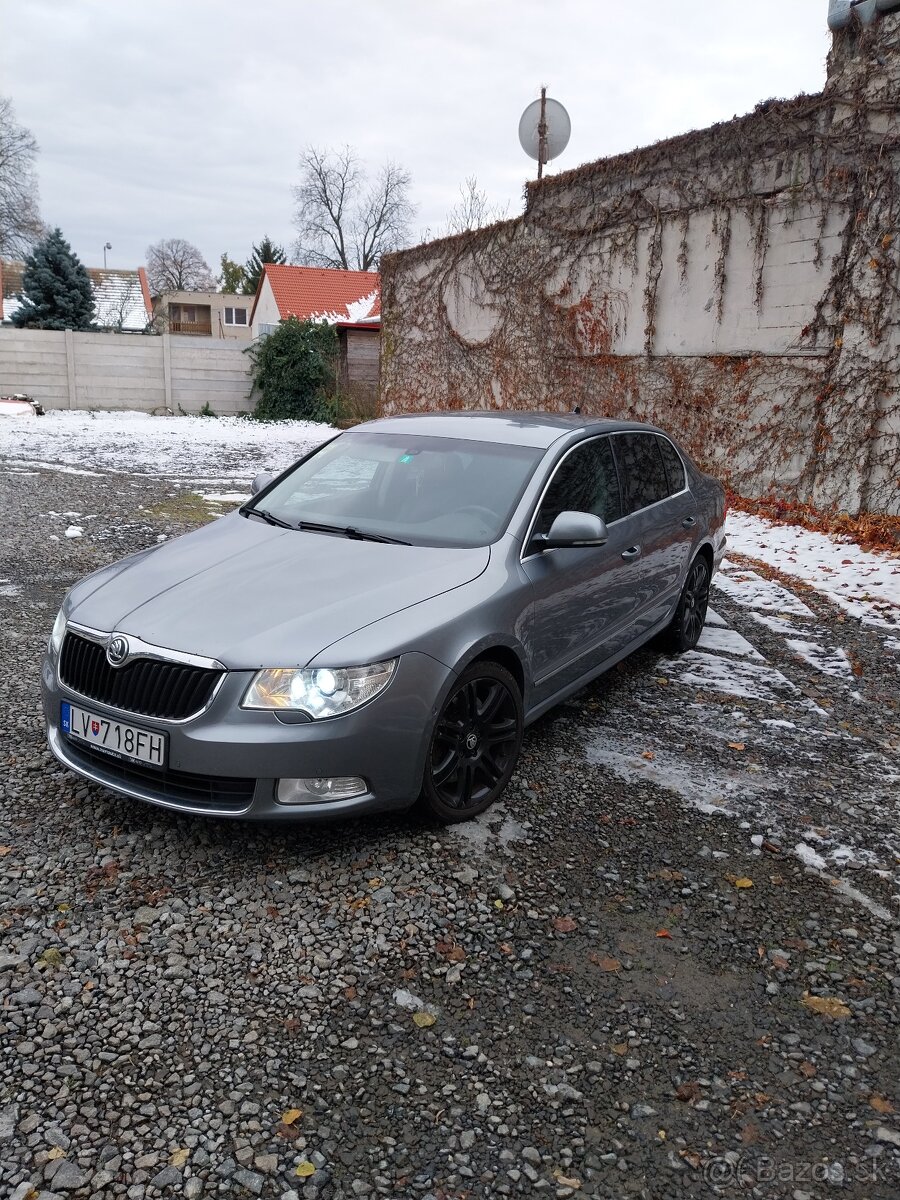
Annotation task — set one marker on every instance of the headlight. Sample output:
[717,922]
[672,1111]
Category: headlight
[318,692]
[57,634]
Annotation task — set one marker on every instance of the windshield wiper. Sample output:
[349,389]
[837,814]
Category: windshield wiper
[358,535]
[268,517]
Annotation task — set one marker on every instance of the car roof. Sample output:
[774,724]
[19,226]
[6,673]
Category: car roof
[539,429]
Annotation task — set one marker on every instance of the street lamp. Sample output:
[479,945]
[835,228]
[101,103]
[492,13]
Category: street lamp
[106,246]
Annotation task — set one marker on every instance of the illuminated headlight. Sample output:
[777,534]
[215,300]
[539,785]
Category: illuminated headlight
[57,634]
[318,692]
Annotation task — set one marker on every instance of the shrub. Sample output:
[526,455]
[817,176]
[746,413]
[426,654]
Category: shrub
[294,371]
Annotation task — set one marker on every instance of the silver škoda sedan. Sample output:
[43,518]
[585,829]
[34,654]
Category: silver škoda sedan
[381,622]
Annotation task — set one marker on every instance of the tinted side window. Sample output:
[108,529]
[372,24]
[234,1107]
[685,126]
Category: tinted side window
[642,470]
[585,482]
[674,465]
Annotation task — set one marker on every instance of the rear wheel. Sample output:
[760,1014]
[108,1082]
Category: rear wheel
[690,615]
[475,745]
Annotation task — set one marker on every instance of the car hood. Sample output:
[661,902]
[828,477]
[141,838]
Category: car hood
[252,595]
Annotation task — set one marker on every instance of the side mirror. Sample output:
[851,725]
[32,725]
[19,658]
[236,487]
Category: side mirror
[262,480]
[575,529]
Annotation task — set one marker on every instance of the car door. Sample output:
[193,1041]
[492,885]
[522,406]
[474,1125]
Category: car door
[583,596]
[663,513]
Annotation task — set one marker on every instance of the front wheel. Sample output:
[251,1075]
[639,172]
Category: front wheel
[690,616]
[475,745]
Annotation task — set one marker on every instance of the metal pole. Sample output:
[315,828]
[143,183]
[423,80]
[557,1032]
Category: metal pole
[542,134]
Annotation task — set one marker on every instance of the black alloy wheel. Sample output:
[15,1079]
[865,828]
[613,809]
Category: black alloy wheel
[690,615]
[475,745]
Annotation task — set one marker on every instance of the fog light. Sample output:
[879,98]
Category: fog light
[314,791]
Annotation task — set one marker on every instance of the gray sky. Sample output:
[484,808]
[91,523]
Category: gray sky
[167,119]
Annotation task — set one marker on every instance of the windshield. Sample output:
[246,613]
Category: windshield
[429,491]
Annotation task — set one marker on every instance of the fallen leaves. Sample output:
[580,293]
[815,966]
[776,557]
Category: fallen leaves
[605,963]
[291,1115]
[825,1006]
[564,924]
[807,1070]
[737,745]
[52,957]
[450,951]
[688,1093]
[620,1048]
[56,1152]
[663,933]
[179,1157]
[4,850]
[304,1169]
[740,881]
[649,755]
[881,1105]
[669,874]
[424,1019]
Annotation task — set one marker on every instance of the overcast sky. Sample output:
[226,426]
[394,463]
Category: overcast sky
[173,119]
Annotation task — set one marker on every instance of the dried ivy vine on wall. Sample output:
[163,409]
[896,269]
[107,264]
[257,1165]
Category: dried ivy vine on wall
[548,295]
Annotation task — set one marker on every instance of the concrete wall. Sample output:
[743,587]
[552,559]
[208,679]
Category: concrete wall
[96,370]
[738,286]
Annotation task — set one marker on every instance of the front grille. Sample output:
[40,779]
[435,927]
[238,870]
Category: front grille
[169,690]
[177,787]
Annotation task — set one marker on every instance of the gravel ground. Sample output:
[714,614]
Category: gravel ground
[579,994]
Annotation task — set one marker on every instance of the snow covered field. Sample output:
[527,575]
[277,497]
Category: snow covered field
[192,449]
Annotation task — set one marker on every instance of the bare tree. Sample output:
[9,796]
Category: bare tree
[473,209]
[174,265]
[20,222]
[345,220]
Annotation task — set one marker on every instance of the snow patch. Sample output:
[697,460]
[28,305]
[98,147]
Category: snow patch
[728,641]
[746,680]
[752,591]
[833,662]
[864,583]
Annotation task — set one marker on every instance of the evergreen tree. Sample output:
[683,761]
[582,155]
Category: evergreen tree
[265,252]
[57,292]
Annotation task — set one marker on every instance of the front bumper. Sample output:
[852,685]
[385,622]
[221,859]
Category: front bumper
[226,762]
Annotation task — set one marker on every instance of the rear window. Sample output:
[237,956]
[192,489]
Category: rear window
[641,469]
[674,465]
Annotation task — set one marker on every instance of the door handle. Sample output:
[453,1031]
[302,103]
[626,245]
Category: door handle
[688,522]
[631,552]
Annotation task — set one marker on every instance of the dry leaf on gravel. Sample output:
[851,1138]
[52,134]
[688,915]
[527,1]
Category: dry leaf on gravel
[4,850]
[305,1169]
[564,924]
[56,1152]
[424,1019]
[826,1006]
[740,881]
[807,1070]
[179,1157]
[620,1048]
[663,933]
[688,1093]
[605,963]
[881,1105]
[292,1115]
[737,745]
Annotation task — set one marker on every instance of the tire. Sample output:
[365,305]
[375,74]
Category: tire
[686,626]
[475,744]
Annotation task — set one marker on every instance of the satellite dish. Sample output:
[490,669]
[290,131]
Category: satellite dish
[556,132]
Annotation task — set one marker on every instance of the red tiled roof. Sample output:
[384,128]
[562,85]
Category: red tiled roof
[307,292]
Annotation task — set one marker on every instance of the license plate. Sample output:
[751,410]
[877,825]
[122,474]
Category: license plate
[114,738]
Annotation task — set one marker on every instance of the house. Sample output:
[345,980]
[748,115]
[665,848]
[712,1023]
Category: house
[349,300]
[203,314]
[121,298]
